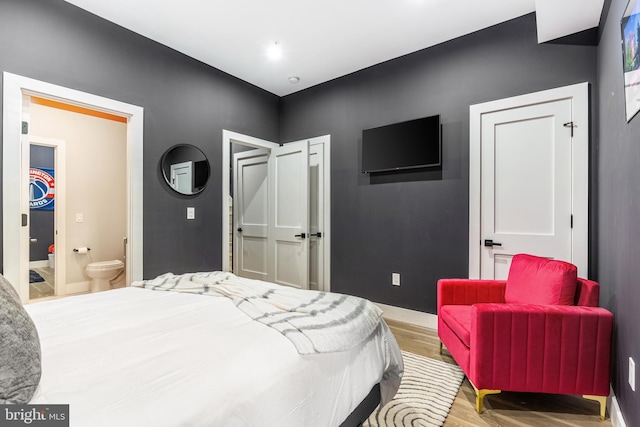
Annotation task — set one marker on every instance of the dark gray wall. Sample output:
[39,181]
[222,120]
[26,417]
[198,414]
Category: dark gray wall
[419,228]
[619,212]
[184,101]
[41,221]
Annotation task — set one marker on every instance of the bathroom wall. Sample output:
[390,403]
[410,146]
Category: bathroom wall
[95,185]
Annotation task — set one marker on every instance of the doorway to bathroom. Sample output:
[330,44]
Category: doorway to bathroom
[94,193]
[15,128]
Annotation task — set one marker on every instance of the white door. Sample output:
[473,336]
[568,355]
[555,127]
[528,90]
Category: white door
[527,202]
[182,177]
[250,213]
[288,239]
[526,185]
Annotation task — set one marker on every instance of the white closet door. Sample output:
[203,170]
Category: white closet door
[251,214]
[289,214]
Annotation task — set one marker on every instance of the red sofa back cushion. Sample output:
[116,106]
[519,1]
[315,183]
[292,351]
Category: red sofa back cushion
[537,280]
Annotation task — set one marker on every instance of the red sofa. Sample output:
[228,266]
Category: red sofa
[540,331]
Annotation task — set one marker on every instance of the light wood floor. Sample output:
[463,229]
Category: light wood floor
[507,408]
[43,289]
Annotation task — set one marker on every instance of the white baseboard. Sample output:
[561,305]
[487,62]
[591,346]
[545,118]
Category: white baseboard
[418,318]
[78,287]
[39,264]
[615,414]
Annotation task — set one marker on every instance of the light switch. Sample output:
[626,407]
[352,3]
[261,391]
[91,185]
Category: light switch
[79,217]
[191,213]
[395,279]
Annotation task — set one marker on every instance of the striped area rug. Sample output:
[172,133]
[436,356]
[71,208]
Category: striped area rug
[425,396]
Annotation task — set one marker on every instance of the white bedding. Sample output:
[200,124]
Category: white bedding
[315,322]
[136,357]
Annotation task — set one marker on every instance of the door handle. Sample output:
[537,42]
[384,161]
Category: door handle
[301,235]
[239,229]
[490,243]
[318,234]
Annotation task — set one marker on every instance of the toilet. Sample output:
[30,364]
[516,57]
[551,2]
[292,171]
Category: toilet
[102,272]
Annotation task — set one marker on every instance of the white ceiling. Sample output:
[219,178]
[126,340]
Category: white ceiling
[326,39]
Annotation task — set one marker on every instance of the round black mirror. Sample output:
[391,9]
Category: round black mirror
[185,169]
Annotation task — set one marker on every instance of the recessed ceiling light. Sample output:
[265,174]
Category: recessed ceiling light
[294,79]
[274,51]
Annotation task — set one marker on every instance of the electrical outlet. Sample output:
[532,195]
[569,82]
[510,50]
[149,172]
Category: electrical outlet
[395,279]
[632,374]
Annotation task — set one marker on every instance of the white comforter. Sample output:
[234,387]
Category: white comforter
[135,357]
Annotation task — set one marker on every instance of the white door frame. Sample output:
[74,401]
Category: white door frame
[59,210]
[579,95]
[325,142]
[316,244]
[14,87]
[229,137]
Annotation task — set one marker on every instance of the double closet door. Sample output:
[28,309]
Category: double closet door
[277,214]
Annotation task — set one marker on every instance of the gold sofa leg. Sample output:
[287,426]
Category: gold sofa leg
[480,394]
[603,403]
[440,347]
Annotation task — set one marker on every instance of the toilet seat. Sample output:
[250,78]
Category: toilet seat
[105,265]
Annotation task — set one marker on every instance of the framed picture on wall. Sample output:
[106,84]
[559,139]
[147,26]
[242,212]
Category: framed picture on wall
[630,27]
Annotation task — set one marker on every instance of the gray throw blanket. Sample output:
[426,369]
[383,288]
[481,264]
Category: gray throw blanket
[315,322]
[20,366]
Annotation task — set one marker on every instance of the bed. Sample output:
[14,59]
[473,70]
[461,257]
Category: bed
[169,355]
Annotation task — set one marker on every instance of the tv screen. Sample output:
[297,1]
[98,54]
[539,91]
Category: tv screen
[406,145]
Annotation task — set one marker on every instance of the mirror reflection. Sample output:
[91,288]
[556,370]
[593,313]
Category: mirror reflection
[185,169]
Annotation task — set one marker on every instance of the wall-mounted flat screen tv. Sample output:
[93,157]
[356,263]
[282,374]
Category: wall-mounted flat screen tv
[406,145]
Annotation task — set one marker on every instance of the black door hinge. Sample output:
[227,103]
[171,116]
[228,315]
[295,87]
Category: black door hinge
[571,220]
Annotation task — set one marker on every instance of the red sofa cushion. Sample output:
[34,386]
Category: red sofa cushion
[537,280]
[458,319]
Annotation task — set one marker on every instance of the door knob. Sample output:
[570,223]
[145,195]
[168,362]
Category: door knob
[301,235]
[490,243]
[239,229]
